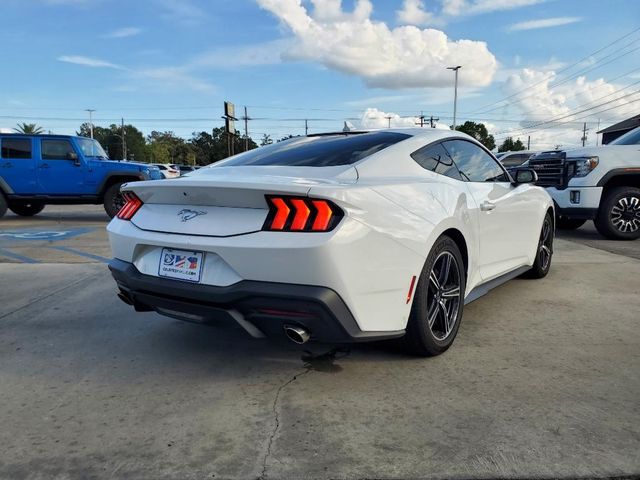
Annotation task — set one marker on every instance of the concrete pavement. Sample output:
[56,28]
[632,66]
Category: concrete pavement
[542,381]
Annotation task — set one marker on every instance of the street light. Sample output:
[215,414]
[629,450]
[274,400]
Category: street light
[90,110]
[455,93]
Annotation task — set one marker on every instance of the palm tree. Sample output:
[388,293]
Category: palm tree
[29,128]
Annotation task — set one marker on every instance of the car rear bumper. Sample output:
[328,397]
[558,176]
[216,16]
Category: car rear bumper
[266,306]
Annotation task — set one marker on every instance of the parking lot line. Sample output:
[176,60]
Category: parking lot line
[16,256]
[80,253]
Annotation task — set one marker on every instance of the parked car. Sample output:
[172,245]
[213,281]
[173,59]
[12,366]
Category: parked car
[36,170]
[339,237]
[595,183]
[168,170]
[184,169]
[515,159]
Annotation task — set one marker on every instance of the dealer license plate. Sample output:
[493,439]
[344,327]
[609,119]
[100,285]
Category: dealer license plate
[181,264]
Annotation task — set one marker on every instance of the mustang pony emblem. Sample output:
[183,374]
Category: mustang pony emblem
[186,214]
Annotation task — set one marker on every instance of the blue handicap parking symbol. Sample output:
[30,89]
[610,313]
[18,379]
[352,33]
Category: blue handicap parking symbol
[49,235]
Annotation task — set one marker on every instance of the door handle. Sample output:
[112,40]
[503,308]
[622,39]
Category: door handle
[7,165]
[487,206]
[44,165]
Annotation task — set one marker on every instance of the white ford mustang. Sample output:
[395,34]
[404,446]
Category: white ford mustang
[338,237]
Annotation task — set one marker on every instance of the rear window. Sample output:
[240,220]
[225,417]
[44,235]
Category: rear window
[16,148]
[318,151]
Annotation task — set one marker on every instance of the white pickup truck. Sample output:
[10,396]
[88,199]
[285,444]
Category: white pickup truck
[595,183]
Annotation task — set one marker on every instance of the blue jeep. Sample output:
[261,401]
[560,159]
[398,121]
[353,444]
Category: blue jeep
[36,170]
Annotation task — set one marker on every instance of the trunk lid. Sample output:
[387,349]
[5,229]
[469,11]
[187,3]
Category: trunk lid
[225,201]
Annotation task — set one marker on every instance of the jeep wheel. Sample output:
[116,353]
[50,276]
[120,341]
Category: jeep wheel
[3,205]
[113,199]
[564,223]
[619,214]
[26,209]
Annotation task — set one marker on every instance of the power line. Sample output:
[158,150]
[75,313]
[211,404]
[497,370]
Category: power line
[562,70]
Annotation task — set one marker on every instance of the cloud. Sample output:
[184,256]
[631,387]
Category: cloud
[402,57]
[543,23]
[175,77]
[265,53]
[182,11]
[541,101]
[414,13]
[373,118]
[88,62]
[475,7]
[124,32]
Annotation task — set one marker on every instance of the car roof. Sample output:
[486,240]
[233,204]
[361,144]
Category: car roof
[43,135]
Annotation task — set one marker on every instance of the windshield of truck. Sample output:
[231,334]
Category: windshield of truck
[91,148]
[629,138]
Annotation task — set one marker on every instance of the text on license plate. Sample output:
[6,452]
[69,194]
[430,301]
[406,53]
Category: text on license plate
[180,264]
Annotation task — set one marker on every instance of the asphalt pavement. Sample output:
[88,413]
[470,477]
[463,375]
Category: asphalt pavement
[542,381]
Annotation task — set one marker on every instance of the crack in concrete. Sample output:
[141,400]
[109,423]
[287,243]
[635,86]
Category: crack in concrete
[276,426]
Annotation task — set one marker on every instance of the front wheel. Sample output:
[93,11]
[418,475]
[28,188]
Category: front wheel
[26,209]
[619,214]
[438,301]
[542,263]
[113,200]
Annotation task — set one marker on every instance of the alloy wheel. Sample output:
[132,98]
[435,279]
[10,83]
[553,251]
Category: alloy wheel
[625,214]
[545,244]
[444,295]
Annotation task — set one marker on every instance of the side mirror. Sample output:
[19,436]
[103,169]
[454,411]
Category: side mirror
[73,156]
[524,175]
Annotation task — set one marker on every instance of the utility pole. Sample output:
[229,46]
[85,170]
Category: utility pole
[597,132]
[584,133]
[432,121]
[90,110]
[246,130]
[421,118]
[388,121]
[455,93]
[124,139]
[306,127]
[529,142]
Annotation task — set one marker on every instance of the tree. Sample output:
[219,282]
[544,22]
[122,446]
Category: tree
[479,132]
[510,146]
[29,128]
[286,137]
[111,140]
[266,140]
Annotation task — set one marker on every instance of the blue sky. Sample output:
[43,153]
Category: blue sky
[169,64]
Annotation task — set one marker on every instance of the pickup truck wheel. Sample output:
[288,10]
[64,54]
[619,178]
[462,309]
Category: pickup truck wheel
[569,223]
[26,209]
[113,199]
[438,301]
[3,205]
[619,214]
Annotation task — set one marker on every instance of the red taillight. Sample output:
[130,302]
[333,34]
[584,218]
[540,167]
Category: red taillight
[131,206]
[301,214]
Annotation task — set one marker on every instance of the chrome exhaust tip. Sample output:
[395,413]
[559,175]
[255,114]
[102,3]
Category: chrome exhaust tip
[297,334]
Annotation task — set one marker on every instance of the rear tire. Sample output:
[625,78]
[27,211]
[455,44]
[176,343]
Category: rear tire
[438,301]
[3,205]
[569,223]
[544,252]
[619,214]
[113,199]
[26,209]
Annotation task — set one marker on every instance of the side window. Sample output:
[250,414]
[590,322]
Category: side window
[436,159]
[16,148]
[57,150]
[474,164]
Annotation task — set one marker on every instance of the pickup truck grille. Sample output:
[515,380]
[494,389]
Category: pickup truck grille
[550,167]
